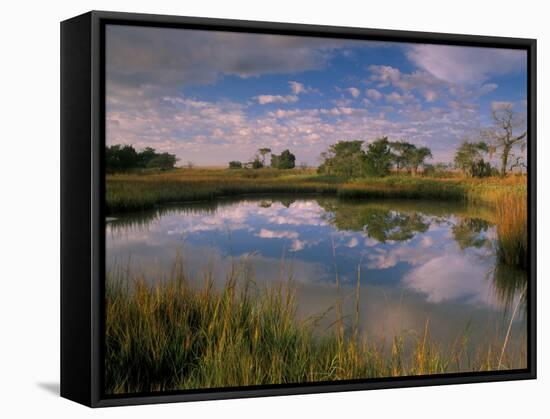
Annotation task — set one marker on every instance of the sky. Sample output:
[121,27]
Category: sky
[211,97]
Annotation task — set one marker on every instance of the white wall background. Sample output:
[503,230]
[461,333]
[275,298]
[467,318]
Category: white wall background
[29,175]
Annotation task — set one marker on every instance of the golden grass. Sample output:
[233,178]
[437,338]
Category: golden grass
[511,221]
[173,336]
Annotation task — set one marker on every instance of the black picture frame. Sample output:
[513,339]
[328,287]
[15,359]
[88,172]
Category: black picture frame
[82,205]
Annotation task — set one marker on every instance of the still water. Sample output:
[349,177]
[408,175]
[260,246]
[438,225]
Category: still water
[417,262]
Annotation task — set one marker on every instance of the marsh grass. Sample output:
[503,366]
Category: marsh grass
[172,335]
[511,221]
[135,192]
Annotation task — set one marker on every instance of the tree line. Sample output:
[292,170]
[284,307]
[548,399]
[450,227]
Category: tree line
[123,158]
[285,160]
[350,159]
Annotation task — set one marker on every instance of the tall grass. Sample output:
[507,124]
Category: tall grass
[134,192]
[511,221]
[172,335]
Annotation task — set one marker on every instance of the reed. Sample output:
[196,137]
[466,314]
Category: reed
[171,335]
[511,221]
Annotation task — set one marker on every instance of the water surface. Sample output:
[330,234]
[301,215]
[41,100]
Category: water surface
[416,262]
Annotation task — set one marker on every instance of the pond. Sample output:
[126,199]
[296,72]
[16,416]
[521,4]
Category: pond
[406,263]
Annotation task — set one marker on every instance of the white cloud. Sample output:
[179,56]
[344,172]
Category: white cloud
[426,241]
[282,234]
[265,99]
[384,74]
[373,94]
[450,277]
[353,242]
[399,99]
[296,87]
[354,91]
[487,88]
[297,245]
[430,96]
[457,64]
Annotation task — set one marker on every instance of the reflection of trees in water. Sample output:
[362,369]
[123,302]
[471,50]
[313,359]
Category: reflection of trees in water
[390,225]
[468,232]
[508,284]
[376,222]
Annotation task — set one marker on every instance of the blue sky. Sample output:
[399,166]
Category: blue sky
[212,97]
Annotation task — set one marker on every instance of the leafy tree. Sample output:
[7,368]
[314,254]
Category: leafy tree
[418,157]
[120,158]
[285,160]
[235,164]
[378,158]
[263,152]
[502,135]
[345,158]
[145,156]
[469,159]
[257,163]
[401,154]
[164,161]
[408,156]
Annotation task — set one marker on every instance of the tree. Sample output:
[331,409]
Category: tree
[235,164]
[145,156]
[418,157]
[190,164]
[263,152]
[345,158]
[285,160]
[378,158]
[408,156]
[121,158]
[469,159]
[257,163]
[164,161]
[402,154]
[502,135]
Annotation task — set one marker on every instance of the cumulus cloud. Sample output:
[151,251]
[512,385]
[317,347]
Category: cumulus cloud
[282,234]
[399,99]
[299,88]
[450,277]
[354,91]
[457,64]
[373,94]
[384,74]
[148,102]
[296,87]
[265,99]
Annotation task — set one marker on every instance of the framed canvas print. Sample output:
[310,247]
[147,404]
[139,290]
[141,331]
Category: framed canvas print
[253,209]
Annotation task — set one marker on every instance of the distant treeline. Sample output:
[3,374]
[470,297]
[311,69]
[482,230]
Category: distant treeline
[285,160]
[123,158]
